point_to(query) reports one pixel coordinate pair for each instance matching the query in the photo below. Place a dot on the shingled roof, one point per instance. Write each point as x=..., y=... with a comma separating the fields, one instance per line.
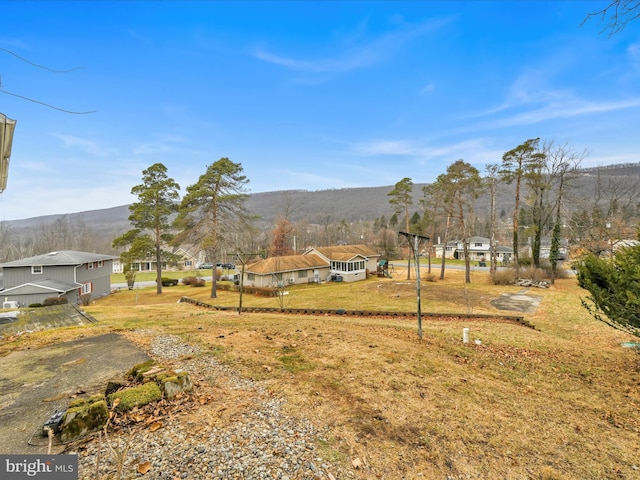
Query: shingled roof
x=344, y=252
x=63, y=257
x=287, y=263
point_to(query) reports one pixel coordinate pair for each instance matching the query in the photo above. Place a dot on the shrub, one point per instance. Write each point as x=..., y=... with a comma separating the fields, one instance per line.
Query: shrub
x=55, y=301
x=188, y=280
x=525, y=261
x=431, y=278
x=503, y=276
x=560, y=271
x=261, y=291
x=85, y=299
x=197, y=282
x=535, y=274
x=35, y=305
x=168, y=282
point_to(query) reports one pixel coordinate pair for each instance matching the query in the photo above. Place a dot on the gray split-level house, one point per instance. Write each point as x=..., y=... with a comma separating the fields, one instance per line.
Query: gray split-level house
x=69, y=274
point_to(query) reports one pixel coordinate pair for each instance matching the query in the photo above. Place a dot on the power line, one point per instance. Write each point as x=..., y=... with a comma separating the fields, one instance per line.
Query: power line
x=44, y=68
x=37, y=65
x=45, y=104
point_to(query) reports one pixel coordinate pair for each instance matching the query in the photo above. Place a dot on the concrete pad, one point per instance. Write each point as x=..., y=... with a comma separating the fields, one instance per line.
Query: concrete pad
x=517, y=302
x=34, y=383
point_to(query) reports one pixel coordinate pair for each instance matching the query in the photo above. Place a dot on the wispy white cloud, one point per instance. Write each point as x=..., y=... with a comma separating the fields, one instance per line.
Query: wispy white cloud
x=533, y=98
x=428, y=88
x=85, y=145
x=357, y=54
x=633, y=52
x=312, y=181
x=164, y=144
x=568, y=109
x=425, y=152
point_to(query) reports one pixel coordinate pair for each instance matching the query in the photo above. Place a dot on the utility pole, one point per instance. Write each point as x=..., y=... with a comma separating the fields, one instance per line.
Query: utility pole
x=414, y=243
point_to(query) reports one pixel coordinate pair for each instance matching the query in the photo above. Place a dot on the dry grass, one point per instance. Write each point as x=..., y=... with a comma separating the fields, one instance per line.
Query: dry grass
x=560, y=402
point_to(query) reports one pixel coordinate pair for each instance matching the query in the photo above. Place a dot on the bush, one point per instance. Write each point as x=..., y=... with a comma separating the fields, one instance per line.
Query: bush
x=503, y=276
x=188, y=280
x=169, y=282
x=525, y=261
x=533, y=273
x=261, y=291
x=35, y=305
x=197, y=282
x=85, y=299
x=55, y=301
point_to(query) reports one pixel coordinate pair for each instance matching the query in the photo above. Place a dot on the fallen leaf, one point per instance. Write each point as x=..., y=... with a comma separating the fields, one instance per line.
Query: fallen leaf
x=144, y=468
x=155, y=426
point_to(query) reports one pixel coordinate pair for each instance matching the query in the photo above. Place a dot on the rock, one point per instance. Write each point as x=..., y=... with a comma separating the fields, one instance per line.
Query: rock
x=83, y=417
x=136, y=396
x=174, y=383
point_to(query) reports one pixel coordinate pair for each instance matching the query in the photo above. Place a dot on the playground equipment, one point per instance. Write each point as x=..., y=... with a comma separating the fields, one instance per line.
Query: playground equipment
x=383, y=269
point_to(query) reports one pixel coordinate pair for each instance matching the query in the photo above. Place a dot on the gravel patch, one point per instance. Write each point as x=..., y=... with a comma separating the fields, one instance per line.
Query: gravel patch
x=261, y=443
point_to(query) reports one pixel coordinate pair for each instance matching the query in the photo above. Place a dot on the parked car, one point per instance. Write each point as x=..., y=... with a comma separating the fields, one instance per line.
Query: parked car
x=205, y=266
x=226, y=266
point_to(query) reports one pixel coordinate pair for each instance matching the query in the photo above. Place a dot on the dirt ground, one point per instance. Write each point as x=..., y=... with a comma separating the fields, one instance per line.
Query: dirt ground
x=34, y=383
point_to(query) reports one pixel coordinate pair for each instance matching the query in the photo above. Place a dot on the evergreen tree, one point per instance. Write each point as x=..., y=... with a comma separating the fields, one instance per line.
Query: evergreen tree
x=516, y=166
x=150, y=215
x=213, y=209
x=614, y=288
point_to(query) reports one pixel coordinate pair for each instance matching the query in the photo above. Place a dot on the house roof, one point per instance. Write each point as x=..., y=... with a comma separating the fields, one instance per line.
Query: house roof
x=42, y=286
x=344, y=252
x=63, y=257
x=286, y=263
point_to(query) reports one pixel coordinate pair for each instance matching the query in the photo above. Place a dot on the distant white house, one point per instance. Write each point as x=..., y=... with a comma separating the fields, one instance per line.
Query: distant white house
x=190, y=257
x=478, y=247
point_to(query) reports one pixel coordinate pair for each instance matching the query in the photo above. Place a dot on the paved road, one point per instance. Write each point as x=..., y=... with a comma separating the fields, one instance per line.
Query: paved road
x=150, y=283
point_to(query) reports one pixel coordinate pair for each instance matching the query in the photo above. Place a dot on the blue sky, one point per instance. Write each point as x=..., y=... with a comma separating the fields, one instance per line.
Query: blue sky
x=305, y=95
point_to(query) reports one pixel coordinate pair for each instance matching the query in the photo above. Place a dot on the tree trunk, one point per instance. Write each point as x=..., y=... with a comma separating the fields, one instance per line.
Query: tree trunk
x=444, y=246
x=158, y=270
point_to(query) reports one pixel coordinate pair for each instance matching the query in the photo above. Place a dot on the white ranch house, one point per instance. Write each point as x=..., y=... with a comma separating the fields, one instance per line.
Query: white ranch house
x=346, y=263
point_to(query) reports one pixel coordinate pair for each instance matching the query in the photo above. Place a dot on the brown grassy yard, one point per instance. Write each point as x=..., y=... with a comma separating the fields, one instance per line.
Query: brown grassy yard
x=558, y=402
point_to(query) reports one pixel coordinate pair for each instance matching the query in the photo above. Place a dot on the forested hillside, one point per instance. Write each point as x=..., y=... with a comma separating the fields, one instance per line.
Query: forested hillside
x=601, y=203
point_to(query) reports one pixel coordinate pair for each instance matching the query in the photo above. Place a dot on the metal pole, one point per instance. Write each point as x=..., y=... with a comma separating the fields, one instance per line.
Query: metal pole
x=416, y=256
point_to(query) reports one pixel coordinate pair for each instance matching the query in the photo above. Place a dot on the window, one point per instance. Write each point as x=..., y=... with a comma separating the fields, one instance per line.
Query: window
x=188, y=263
x=251, y=277
x=36, y=269
x=90, y=266
x=100, y=264
x=478, y=244
x=302, y=274
x=86, y=288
